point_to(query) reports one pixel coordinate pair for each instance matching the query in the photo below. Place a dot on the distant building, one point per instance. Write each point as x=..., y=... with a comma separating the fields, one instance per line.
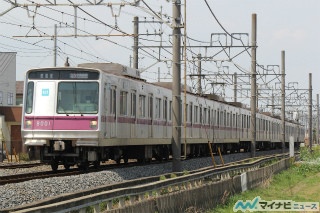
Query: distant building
x=7, y=79
x=19, y=93
x=11, y=93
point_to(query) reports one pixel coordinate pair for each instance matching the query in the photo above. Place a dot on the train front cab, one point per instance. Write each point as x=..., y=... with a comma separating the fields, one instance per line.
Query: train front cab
x=60, y=115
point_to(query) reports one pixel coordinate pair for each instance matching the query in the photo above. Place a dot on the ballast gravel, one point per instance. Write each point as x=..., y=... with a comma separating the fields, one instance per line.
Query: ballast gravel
x=16, y=194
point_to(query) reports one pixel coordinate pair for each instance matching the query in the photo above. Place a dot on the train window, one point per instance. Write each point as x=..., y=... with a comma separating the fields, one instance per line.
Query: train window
x=227, y=119
x=150, y=106
x=205, y=114
x=142, y=106
x=133, y=103
x=190, y=112
x=78, y=97
x=165, y=108
x=215, y=117
x=123, y=103
x=113, y=98
x=158, y=108
x=201, y=117
x=196, y=114
x=186, y=108
x=29, y=98
x=170, y=110
x=237, y=121
x=234, y=120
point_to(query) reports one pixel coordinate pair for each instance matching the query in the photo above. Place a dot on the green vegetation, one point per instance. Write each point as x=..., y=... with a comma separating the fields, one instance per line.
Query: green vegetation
x=24, y=156
x=299, y=183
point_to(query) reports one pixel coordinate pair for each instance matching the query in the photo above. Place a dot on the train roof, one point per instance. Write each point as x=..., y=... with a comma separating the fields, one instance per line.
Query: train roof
x=114, y=68
x=168, y=85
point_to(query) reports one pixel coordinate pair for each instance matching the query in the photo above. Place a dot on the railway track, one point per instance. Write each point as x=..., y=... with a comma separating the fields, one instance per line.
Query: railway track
x=61, y=173
x=18, y=166
x=140, y=186
x=17, y=178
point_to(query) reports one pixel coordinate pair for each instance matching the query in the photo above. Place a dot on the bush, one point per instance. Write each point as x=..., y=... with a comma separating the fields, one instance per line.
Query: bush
x=24, y=157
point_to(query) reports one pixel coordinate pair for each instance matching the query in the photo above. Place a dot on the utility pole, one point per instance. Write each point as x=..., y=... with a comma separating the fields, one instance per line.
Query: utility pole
x=317, y=131
x=272, y=104
x=199, y=75
x=176, y=86
x=283, y=96
x=135, y=42
x=235, y=87
x=253, y=84
x=310, y=111
x=55, y=46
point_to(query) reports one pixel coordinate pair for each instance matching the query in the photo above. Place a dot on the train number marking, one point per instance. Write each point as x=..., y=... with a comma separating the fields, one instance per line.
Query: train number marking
x=43, y=123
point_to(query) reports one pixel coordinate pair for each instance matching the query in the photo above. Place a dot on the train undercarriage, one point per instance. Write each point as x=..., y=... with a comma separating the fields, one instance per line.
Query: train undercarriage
x=84, y=156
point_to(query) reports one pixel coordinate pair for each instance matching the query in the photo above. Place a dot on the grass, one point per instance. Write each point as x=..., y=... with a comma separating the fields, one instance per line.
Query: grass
x=299, y=183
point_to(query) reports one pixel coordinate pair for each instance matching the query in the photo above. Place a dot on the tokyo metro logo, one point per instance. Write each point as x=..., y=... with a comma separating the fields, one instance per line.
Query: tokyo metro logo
x=257, y=204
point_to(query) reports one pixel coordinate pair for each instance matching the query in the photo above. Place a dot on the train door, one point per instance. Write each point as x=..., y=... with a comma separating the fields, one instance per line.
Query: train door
x=45, y=105
x=150, y=115
x=165, y=116
x=133, y=113
x=191, y=120
x=237, y=125
x=218, y=123
x=200, y=121
x=104, y=114
x=113, y=112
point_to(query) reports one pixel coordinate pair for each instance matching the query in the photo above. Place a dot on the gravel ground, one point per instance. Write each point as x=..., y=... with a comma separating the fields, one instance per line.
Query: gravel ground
x=30, y=191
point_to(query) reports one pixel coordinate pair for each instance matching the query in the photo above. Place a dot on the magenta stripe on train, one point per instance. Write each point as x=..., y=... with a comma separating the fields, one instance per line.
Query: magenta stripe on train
x=61, y=122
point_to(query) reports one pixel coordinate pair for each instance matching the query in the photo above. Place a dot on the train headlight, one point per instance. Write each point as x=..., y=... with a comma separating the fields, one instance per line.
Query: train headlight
x=28, y=124
x=93, y=124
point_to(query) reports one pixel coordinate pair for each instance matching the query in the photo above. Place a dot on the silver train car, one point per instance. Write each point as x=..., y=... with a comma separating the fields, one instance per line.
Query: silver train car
x=100, y=111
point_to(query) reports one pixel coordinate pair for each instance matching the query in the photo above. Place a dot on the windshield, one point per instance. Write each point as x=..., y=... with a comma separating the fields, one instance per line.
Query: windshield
x=29, y=98
x=78, y=98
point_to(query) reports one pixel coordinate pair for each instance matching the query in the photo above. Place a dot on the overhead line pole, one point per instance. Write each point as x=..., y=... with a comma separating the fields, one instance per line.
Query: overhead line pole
x=176, y=86
x=253, y=85
x=283, y=96
x=317, y=130
x=310, y=111
x=185, y=79
x=55, y=46
x=135, y=42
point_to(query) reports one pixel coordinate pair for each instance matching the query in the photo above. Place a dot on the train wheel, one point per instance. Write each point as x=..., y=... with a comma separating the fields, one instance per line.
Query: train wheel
x=118, y=160
x=83, y=166
x=96, y=164
x=54, y=166
x=125, y=159
x=157, y=153
x=140, y=160
x=166, y=153
x=66, y=166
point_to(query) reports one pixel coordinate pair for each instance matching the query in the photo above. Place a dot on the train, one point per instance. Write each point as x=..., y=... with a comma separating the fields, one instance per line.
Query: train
x=96, y=112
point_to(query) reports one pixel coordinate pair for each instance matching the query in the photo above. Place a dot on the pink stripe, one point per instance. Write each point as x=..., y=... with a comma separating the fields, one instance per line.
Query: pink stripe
x=61, y=122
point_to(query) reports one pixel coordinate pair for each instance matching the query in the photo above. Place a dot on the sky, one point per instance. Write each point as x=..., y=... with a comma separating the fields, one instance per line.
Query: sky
x=282, y=25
